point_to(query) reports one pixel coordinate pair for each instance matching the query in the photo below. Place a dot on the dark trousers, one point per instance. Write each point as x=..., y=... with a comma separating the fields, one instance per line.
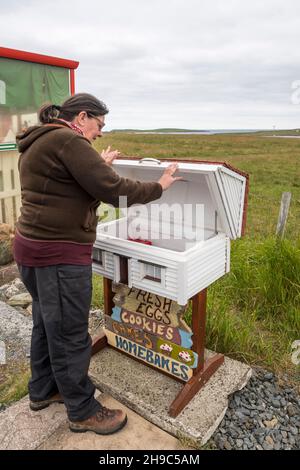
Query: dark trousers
x=60, y=343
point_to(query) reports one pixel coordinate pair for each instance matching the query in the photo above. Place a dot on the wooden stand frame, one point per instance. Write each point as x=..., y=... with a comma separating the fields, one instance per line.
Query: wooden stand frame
x=205, y=368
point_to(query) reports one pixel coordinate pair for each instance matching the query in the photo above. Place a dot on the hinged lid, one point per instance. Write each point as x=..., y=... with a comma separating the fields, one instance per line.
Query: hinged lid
x=221, y=189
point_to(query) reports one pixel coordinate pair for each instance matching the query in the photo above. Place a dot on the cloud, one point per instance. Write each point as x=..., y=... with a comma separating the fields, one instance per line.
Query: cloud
x=175, y=63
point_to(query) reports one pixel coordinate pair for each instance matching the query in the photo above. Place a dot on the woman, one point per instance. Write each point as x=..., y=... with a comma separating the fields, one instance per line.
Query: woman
x=63, y=180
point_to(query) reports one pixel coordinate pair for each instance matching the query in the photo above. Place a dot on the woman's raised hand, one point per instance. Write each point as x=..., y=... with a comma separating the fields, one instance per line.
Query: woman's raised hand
x=110, y=155
x=167, y=178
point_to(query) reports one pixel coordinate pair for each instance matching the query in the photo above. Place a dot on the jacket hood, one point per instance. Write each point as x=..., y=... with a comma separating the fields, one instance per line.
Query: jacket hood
x=29, y=136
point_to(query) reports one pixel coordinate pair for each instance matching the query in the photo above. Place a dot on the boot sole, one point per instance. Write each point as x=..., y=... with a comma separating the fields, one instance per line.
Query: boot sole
x=102, y=433
x=41, y=407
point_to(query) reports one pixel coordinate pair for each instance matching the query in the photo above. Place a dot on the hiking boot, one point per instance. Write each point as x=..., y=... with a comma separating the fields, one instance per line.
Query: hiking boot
x=105, y=421
x=40, y=405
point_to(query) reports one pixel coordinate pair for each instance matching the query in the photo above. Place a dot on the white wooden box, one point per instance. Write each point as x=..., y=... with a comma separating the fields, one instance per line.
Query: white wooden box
x=191, y=249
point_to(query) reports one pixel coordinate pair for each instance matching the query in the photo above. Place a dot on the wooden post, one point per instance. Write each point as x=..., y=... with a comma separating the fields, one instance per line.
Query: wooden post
x=205, y=369
x=283, y=214
x=108, y=296
x=198, y=326
x=100, y=342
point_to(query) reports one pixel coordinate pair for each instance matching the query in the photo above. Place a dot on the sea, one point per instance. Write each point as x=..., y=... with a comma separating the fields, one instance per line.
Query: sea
x=204, y=132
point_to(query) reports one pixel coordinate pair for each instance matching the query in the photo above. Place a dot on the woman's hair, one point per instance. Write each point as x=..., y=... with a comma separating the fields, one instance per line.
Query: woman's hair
x=71, y=107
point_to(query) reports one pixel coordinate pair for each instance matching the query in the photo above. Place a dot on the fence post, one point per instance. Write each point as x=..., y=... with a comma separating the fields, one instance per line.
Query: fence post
x=283, y=214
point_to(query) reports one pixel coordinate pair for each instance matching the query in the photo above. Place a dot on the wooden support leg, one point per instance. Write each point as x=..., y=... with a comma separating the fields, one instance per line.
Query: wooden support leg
x=108, y=296
x=198, y=326
x=100, y=341
x=205, y=369
x=195, y=384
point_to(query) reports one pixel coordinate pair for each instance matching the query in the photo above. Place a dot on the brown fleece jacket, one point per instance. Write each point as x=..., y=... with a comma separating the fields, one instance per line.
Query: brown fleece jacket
x=63, y=181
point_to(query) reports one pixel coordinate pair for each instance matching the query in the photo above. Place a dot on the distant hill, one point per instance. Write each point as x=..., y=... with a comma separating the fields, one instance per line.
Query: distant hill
x=175, y=130
x=167, y=129
x=283, y=132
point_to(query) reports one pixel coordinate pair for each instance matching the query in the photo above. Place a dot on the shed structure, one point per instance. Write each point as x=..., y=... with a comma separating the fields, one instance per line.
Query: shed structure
x=27, y=81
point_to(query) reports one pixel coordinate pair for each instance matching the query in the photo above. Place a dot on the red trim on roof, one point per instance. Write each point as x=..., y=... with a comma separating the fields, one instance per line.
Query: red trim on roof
x=227, y=165
x=37, y=58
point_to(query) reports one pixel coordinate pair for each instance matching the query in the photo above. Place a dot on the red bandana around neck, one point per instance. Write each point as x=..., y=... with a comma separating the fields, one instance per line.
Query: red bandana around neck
x=73, y=126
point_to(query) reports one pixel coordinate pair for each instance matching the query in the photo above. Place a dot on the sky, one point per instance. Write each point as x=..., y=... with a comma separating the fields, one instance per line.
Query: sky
x=196, y=64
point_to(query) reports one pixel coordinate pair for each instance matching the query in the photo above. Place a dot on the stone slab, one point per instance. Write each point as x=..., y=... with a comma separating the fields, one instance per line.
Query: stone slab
x=23, y=429
x=138, y=434
x=150, y=393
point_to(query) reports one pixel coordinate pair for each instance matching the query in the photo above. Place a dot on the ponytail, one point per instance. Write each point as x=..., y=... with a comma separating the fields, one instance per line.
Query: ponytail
x=48, y=112
x=72, y=107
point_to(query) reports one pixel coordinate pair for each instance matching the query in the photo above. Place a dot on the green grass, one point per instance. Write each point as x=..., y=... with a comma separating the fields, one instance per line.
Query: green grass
x=273, y=166
x=254, y=311
x=13, y=382
x=164, y=129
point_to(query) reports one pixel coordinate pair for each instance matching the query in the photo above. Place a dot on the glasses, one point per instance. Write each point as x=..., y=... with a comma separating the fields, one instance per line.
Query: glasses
x=100, y=123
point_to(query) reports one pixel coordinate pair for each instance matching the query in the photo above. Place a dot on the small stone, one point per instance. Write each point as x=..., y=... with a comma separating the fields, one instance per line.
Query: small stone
x=19, y=285
x=241, y=417
x=22, y=300
x=269, y=440
x=219, y=442
x=294, y=431
x=276, y=403
x=27, y=312
x=277, y=437
x=249, y=424
x=239, y=443
x=234, y=433
x=271, y=424
x=11, y=291
x=261, y=407
x=292, y=440
x=244, y=411
x=268, y=376
x=260, y=432
x=237, y=400
x=291, y=410
x=267, y=446
x=277, y=446
x=227, y=445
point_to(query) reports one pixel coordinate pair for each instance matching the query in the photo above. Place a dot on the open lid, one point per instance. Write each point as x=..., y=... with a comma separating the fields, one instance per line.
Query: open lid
x=220, y=188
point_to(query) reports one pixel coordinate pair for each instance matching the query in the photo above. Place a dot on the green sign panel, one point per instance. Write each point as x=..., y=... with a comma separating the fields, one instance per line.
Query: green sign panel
x=24, y=88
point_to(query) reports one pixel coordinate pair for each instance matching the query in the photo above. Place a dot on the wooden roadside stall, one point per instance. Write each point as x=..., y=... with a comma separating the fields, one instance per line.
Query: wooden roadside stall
x=27, y=81
x=157, y=258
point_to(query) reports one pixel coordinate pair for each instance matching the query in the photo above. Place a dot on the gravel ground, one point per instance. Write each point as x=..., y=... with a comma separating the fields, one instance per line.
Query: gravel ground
x=262, y=416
